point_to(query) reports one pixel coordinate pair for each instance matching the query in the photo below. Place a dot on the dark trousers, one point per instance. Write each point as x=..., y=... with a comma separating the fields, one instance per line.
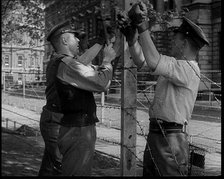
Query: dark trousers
x=158, y=158
x=51, y=161
x=77, y=145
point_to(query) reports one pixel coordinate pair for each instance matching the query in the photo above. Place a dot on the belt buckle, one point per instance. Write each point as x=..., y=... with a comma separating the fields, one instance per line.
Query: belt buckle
x=184, y=129
x=160, y=121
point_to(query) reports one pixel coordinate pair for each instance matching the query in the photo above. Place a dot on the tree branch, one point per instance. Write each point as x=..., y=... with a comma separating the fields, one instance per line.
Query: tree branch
x=6, y=7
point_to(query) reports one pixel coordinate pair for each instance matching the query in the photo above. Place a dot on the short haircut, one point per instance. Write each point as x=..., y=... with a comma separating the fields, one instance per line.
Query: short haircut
x=193, y=45
x=55, y=42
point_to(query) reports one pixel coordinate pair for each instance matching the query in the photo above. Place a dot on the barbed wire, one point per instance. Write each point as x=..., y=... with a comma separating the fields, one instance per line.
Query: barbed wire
x=212, y=82
x=129, y=68
x=111, y=107
x=26, y=95
x=201, y=79
x=111, y=141
x=20, y=114
x=36, y=129
x=163, y=132
x=174, y=157
x=204, y=116
x=120, y=144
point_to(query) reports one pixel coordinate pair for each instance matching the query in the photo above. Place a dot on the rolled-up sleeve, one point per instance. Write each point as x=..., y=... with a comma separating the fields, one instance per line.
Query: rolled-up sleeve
x=85, y=77
x=176, y=71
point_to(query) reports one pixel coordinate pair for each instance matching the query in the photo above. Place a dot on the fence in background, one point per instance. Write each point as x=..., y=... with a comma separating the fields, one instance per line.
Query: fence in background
x=31, y=96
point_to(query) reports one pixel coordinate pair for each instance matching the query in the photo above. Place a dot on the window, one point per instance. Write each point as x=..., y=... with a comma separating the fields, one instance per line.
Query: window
x=31, y=62
x=90, y=28
x=20, y=79
x=20, y=76
x=6, y=60
x=20, y=61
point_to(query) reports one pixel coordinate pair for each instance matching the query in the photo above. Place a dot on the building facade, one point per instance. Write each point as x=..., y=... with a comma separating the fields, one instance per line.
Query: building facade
x=17, y=60
x=87, y=11
x=205, y=13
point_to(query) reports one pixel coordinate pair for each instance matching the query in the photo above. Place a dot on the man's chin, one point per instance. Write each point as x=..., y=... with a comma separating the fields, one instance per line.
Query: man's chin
x=76, y=53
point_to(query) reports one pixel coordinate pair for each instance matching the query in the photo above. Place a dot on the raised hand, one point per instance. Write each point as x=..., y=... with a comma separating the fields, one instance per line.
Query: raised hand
x=139, y=17
x=138, y=13
x=126, y=28
x=109, y=53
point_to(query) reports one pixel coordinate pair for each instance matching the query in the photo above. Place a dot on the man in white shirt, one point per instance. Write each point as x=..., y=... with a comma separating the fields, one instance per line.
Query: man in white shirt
x=166, y=152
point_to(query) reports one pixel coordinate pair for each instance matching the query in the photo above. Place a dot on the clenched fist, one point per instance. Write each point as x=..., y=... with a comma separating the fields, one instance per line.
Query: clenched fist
x=126, y=28
x=138, y=13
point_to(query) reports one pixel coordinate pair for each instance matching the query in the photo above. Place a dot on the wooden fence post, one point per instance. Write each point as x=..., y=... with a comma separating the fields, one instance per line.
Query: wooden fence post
x=24, y=89
x=3, y=81
x=128, y=109
x=102, y=106
x=7, y=121
x=14, y=125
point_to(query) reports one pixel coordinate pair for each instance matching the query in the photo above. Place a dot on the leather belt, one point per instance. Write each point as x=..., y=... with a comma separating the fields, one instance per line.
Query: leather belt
x=167, y=127
x=78, y=120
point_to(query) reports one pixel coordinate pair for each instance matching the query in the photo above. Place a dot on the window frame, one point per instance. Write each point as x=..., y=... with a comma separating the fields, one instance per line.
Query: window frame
x=6, y=55
x=22, y=59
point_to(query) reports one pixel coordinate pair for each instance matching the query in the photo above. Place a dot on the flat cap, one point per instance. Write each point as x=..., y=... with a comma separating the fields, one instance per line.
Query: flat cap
x=68, y=26
x=193, y=31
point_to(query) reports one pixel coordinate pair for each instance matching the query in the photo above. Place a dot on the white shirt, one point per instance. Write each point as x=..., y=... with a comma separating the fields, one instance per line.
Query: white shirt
x=176, y=89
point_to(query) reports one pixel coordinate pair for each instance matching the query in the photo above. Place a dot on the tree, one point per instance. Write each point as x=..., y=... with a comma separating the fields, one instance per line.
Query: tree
x=22, y=18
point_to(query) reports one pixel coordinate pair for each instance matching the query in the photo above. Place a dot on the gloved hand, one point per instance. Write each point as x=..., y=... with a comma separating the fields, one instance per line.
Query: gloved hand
x=126, y=28
x=111, y=34
x=138, y=13
x=139, y=16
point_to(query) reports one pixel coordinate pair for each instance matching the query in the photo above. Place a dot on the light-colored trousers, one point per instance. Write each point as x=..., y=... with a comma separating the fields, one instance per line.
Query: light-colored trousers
x=167, y=156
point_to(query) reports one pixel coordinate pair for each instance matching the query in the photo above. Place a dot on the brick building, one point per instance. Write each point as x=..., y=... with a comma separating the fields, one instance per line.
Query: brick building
x=205, y=13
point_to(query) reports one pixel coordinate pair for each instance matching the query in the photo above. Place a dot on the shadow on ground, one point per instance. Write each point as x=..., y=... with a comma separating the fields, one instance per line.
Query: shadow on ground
x=21, y=156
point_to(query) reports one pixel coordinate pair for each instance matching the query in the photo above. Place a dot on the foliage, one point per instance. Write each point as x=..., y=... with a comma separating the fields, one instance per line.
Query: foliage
x=154, y=17
x=21, y=19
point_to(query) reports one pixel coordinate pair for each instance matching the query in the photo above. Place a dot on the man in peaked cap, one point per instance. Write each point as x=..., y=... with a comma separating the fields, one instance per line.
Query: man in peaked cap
x=69, y=26
x=167, y=150
x=69, y=115
x=51, y=116
x=192, y=31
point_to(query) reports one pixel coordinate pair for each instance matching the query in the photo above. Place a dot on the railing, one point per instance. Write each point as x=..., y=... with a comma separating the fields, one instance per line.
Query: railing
x=109, y=115
x=108, y=110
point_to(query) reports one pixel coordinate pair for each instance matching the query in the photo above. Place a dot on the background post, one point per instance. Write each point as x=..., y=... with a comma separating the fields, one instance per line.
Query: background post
x=128, y=108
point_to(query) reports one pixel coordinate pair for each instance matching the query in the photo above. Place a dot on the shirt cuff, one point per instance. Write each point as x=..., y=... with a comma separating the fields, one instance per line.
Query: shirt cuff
x=107, y=64
x=161, y=67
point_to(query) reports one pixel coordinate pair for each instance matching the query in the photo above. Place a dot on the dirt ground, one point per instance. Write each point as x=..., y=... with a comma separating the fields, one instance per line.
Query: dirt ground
x=21, y=156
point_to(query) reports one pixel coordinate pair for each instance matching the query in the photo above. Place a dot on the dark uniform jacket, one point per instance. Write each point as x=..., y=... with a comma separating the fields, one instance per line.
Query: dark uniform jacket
x=77, y=105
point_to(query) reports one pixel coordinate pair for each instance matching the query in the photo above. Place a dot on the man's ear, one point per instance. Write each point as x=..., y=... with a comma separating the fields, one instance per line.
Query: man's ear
x=185, y=43
x=64, y=39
